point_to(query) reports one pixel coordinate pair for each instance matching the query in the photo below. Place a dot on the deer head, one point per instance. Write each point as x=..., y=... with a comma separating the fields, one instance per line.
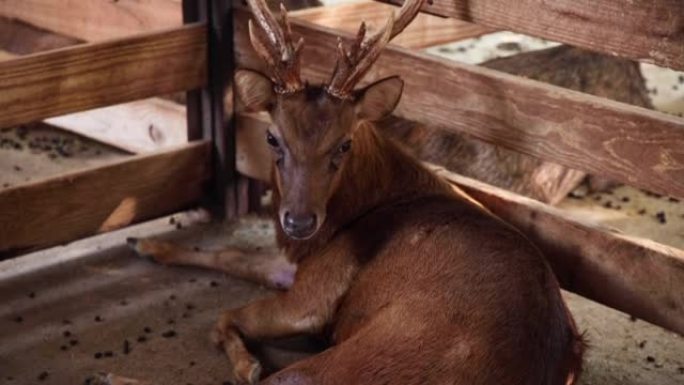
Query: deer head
x=314, y=126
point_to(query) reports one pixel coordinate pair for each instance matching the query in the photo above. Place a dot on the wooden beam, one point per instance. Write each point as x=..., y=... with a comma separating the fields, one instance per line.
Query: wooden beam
x=596, y=262
x=649, y=31
x=634, y=275
x=424, y=31
x=95, y=20
x=634, y=145
x=104, y=198
x=88, y=76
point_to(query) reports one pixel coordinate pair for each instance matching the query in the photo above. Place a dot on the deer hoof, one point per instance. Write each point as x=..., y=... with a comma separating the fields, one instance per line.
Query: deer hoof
x=247, y=371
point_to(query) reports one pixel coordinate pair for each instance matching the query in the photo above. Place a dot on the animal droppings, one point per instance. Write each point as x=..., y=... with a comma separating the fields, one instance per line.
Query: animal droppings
x=169, y=334
x=97, y=355
x=126, y=347
x=108, y=353
x=213, y=284
x=608, y=205
x=642, y=212
x=73, y=342
x=18, y=319
x=625, y=199
x=147, y=329
x=142, y=339
x=642, y=344
x=660, y=216
x=63, y=348
x=650, y=359
x=32, y=294
x=98, y=318
x=66, y=333
x=43, y=376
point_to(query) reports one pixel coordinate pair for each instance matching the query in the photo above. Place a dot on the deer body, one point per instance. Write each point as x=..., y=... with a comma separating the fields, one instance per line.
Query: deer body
x=433, y=290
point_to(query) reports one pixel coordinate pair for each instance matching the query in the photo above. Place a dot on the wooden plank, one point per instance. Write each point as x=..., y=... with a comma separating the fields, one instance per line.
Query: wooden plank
x=100, y=199
x=596, y=262
x=138, y=127
x=637, y=276
x=649, y=31
x=640, y=147
x=95, y=20
x=78, y=78
x=424, y=31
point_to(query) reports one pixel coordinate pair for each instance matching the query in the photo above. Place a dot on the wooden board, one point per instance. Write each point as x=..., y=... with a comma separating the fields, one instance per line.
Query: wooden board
x=637, y=276
x=424, y=31
x=96, y=20
x=88, y=76
x=649, y=31
x=137, y=127
x=103, y=198
x=634, y=145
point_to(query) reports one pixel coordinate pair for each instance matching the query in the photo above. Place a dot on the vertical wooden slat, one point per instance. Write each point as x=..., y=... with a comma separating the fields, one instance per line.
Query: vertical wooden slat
x=207, y=118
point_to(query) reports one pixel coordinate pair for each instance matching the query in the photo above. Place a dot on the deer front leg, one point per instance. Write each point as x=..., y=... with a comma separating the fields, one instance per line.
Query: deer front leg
x=305, y=308
x=269, y=269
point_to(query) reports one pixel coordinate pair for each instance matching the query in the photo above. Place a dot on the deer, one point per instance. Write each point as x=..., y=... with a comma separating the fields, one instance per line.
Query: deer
x=411, y=281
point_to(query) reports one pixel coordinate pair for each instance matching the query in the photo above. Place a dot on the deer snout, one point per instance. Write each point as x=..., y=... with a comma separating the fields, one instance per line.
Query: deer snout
x=299, y=226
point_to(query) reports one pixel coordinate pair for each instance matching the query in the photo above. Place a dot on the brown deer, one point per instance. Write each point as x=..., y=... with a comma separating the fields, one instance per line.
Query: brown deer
x=412, y=282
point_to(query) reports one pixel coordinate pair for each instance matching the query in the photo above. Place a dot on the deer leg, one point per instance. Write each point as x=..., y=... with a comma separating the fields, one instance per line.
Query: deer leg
x=306, y=308
x=269, y=269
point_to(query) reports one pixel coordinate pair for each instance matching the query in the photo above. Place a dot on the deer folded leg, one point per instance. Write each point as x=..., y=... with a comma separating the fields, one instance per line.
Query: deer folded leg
x=306, y=308
x=269, y=269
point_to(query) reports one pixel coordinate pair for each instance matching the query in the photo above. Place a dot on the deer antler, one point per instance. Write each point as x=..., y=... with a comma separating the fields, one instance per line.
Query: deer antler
x=274, y=44
x=353, y=62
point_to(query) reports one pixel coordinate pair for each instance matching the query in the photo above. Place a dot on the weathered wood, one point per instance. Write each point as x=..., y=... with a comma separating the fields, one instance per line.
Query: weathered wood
x=138, y=127
x=637, y=276
x=649, y=31
x=630, y=144
x=424, y=31
x=88, y=76
x=95, y=20
x=22, y=39
x=100, y=199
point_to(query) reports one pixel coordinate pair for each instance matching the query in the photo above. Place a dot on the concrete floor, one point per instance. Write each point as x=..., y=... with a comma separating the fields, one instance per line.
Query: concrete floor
x=65, y=307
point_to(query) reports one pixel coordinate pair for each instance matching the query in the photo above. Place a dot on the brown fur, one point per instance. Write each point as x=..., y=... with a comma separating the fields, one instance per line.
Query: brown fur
x=412, y=283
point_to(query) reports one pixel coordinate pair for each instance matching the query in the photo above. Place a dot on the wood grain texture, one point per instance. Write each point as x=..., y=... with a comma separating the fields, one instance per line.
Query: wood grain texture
x=88, y=76
x=649, y=31
x=96, y=20
x=424, y=31
x=637, y=276
x=634, y=145
x=104, y=198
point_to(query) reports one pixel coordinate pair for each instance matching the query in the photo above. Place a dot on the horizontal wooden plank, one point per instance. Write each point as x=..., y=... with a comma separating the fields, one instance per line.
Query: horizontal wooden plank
x=610, y=268
x=634, y=145
x=649, y=31
x=636, y=276
x=96, y=20
x=104, y=198
x=93, y=75
x=424, y=31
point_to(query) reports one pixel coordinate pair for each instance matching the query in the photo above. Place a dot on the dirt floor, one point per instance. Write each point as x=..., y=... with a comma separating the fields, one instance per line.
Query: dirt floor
x=94, y=306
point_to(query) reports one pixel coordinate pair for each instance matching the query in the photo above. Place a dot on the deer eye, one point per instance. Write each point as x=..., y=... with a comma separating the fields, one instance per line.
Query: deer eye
x=272, y=141
x=344, y=147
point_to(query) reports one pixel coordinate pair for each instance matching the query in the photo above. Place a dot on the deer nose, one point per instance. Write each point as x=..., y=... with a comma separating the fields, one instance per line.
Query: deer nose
x=299, y=225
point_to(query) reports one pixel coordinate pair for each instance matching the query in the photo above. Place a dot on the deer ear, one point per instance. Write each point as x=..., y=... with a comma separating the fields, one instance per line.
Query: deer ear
x=379, y=99
x=254, y=89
